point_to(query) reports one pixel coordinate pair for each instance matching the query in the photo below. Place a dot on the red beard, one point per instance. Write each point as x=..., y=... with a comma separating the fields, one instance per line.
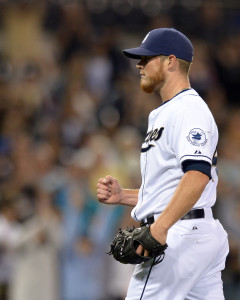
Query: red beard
x=148, y=85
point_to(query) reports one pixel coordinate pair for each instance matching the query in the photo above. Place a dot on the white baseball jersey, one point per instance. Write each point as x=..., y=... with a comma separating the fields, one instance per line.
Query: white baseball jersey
x=181, y=129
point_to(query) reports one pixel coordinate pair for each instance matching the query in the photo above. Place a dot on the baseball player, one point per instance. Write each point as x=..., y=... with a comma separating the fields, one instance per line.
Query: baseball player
x=179, y=179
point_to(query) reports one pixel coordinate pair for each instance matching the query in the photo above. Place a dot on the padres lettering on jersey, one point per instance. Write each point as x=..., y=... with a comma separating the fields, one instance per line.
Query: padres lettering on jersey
x=180, y=129
x=153, y=135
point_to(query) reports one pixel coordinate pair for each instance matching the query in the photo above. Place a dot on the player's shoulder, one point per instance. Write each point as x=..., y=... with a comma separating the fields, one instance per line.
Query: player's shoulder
x=189, y=106
x=188, y=97
x=189, y=101
x=184, y=104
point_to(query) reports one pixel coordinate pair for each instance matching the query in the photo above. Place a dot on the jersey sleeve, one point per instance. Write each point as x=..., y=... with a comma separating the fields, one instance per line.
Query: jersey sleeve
x=194, y=135
x=197, y=165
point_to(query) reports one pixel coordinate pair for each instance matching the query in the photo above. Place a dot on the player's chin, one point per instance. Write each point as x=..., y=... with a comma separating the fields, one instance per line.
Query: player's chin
x=147, y=86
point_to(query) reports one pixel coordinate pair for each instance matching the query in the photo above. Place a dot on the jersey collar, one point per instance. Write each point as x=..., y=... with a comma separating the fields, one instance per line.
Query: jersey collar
x=182, y=91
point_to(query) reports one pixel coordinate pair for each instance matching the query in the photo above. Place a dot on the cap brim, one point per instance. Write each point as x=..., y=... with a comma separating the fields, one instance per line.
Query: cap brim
x=137, y=53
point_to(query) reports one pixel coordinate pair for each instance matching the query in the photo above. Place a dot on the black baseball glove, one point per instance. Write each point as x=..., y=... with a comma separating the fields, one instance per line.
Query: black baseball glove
x=125, y=243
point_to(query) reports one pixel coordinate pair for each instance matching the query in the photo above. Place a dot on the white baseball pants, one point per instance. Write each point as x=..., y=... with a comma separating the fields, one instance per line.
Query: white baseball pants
x=192, y=266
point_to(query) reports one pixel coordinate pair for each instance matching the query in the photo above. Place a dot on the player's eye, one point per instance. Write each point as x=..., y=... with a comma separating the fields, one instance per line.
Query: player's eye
x=146, y=59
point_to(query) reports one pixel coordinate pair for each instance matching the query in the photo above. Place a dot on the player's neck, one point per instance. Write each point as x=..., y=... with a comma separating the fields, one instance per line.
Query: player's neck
x=173, y=87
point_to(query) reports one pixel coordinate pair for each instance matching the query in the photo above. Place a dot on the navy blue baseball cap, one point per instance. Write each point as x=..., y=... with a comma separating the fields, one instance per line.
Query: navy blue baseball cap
x=163, y=41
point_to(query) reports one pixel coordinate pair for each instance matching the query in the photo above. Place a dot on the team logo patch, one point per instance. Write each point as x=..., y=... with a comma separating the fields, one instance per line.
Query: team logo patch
x=197, y=137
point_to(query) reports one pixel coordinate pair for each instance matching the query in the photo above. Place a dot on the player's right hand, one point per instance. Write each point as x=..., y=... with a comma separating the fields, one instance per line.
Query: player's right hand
x=109, y=190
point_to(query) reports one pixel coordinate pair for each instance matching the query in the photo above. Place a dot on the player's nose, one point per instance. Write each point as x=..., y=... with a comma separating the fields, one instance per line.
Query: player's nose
x=139, y=66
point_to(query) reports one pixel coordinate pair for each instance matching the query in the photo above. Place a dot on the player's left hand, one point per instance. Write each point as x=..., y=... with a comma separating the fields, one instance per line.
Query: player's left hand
x=141, y=251
x=123, y=247
x=158, y=234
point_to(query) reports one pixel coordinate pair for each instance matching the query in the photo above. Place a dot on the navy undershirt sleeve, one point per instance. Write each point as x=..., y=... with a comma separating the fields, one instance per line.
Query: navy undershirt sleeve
x=197, y=165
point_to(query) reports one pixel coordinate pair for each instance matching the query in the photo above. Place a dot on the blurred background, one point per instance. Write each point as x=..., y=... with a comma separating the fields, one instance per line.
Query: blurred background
x=71, y=111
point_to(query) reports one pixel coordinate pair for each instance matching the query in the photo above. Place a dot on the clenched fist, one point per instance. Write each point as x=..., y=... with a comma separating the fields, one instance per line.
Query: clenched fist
x=109, y=190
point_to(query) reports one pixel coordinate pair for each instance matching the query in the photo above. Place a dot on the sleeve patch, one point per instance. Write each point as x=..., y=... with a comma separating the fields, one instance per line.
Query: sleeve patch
x=197, y=137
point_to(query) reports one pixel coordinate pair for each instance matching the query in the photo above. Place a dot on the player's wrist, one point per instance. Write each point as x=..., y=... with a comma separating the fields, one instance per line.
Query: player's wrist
x=121, y=197
x=129, y=197
x=159, y=232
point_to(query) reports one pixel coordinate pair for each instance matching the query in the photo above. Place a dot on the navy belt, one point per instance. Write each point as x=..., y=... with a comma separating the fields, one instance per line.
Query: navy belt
x=192, y=214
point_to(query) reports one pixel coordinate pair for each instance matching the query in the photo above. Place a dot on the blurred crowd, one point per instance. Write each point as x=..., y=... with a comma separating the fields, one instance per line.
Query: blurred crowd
x=71, y=111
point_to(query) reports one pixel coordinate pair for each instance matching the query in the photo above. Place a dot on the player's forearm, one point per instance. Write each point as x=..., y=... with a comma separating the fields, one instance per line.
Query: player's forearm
x=185, y=197
x=130, y=197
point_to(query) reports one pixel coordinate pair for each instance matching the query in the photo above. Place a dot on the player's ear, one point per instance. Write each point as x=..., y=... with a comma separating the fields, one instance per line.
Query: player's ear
x=172, y=61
